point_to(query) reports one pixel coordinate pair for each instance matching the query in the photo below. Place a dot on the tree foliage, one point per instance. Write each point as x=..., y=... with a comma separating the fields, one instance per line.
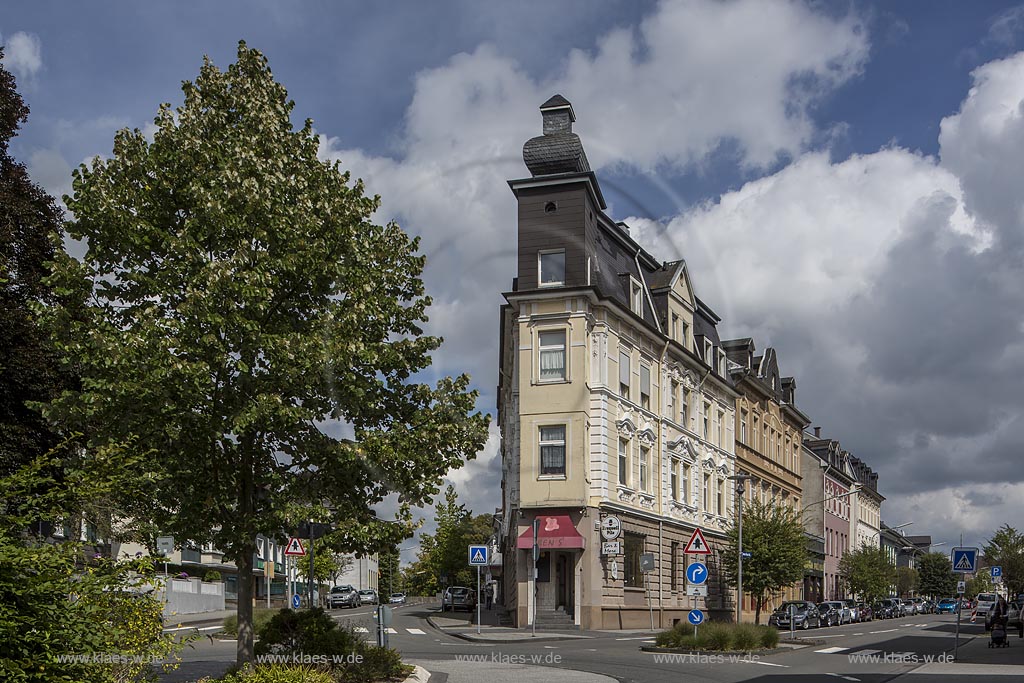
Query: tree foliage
x=936, y=575
x=61, y=599
x=29, y=372
x=867, y=572
x=235, y=297
x=907, y=581
x=774, y=537
x=979, y=583
x=328, y=562
x=1006, y=549
x=443, y=556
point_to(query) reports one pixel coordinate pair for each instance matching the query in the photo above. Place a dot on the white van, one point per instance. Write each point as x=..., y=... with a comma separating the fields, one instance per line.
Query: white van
x=985, y=603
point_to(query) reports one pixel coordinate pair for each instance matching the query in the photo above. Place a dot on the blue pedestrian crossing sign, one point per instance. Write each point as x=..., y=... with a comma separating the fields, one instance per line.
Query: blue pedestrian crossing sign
x=696, y=573
x=696, y=617
x=965, y=560
x=477, y=556
x=296, y=601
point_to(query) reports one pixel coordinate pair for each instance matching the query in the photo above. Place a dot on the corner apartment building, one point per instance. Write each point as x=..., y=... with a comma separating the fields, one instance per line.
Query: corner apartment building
x=614, y=400
x=769, y=434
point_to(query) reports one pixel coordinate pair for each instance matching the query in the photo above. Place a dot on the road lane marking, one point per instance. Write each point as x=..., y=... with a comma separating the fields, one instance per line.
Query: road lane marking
x=858, y=634
x=845, y=678
x=753, y=661
x=832, y=650
x=392, y=631
x=416, y=631
x=636, y=638
x=550, y=647
x=886, y=631
x=361, y=629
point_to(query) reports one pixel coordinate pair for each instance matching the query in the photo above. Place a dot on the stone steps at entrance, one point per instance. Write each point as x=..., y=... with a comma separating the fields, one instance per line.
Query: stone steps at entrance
x=556, y=620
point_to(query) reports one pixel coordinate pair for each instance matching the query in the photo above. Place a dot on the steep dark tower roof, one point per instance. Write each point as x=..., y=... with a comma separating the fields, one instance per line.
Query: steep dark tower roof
x=558, y=150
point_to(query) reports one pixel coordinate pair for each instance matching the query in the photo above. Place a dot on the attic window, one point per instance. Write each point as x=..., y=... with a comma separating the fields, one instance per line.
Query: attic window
x=552, y=267
x=636, y=301
x=550, y=207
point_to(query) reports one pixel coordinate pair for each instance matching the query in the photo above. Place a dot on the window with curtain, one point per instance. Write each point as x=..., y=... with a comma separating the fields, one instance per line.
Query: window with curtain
x=624, y=462
x=552, y=355
x=552, y=450
x=645, y=386
x=624, y=374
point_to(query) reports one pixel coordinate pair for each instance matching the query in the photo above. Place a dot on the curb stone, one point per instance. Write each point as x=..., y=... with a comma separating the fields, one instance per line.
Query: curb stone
x=472, y=638
x=418, y=675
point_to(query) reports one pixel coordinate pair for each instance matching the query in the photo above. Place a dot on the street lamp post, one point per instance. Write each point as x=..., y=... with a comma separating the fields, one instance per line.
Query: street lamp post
x=740, y=479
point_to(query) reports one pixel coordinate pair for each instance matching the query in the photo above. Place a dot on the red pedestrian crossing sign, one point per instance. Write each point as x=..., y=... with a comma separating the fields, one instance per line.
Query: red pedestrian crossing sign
x=697, y=544
x=294, y=548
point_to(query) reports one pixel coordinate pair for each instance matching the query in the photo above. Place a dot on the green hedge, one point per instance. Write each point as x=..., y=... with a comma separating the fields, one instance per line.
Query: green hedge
x=260, y=617
x=719, y=636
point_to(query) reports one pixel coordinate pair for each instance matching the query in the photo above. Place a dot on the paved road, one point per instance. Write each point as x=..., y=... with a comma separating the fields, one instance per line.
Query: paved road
x=868, y=653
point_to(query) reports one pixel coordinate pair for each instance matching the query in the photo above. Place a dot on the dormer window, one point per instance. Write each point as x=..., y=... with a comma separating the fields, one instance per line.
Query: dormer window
x=636, y=299
x=551, y=265
x=708, y=349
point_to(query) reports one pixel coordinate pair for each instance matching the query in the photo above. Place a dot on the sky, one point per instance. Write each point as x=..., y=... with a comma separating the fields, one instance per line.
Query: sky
x=841, y=177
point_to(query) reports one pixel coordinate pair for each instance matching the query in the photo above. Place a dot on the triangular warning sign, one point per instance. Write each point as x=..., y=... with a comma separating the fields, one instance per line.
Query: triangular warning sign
x=697, y=544
x=478, y=555
x=294, y=548
x=964, y=563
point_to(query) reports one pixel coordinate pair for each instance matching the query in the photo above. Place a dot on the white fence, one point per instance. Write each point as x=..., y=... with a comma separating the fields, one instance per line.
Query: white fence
x=192, y=596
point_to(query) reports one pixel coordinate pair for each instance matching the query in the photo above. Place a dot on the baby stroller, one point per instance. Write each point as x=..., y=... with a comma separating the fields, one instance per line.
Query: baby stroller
x=999, y=633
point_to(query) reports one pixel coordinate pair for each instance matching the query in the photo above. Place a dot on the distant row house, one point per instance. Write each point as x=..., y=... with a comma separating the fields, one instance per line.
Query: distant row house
x=618, y=399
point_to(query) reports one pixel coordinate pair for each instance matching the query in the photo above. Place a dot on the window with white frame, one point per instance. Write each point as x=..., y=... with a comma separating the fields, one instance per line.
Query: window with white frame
x=685, y=492
x=743, y=426
x=673, y=484
x=552, y=355
x=707, y=493
x=551, y=264
x=685, y=336
x=645, y=458
x=624, y=374
x=552, y=450
x=721, y=429
x=706, y=419
x=636, y=299
x=675, y=326
x=709, y=353
x=721, y=497
x=624, y=462
x=721, y=363
x=676, y=402
x=645, y=386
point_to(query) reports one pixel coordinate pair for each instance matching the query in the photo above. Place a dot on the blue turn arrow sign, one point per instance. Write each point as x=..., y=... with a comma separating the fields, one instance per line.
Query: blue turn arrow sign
x=695, y=617
x=696, y=573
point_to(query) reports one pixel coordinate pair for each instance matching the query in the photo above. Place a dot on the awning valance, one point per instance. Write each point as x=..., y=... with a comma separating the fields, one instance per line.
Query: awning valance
x=556, y=531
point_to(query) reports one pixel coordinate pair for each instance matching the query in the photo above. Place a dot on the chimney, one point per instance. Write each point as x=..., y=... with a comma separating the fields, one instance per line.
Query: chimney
x=817, y=432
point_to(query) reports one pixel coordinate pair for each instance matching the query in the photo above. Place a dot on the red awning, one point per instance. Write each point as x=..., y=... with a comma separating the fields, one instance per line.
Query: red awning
x=556, y=531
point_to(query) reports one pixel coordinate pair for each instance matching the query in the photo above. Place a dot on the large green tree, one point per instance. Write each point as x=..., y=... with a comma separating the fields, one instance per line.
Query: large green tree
x=443, y=559
x=907, y=581
x=867, y=572
x=29, y=372
x=235, y=301
x=1006, y=549
x=936, y=575
x=774, y=537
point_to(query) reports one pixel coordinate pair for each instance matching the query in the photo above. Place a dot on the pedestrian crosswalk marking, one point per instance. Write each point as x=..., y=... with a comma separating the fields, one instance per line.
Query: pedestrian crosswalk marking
x=832, y=650
x=415, y=631
x=392, y=631
x=361, y=629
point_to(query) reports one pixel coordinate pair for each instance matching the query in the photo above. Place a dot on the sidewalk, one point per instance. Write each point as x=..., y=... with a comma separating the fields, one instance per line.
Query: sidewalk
x=463, y=625
x=976, y=658
x=206, y=622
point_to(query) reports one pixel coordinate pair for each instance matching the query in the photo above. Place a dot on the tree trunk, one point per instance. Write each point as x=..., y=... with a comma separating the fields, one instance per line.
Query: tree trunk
x=757, y=608
x=245, y=621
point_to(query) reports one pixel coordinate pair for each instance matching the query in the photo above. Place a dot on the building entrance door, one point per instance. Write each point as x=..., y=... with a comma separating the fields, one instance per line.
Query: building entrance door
x=565, y=597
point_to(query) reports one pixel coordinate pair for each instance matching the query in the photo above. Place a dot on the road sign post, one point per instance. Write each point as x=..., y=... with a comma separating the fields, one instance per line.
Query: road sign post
x=477, y=558
x=965, y=561
x=695, y=617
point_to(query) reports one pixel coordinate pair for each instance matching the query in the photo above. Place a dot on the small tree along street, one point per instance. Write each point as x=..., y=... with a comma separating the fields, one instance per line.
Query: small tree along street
x=1006, y=549
x=235, y=297
x=774, y=537
x=867, y=572
x=907, y=581
x=936, y=575
x=328, y=563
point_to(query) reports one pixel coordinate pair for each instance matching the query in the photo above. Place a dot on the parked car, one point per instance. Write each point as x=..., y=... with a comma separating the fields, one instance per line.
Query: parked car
x=343, y=596
x=368, y=596
x=865, y=612
x=458, y=597
x=851, y=612
x=913, y=606
x=831, y=612
x=946, y=606
x=888, y=608
x=397, y=599
x=928, y=606
x=805, y=615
